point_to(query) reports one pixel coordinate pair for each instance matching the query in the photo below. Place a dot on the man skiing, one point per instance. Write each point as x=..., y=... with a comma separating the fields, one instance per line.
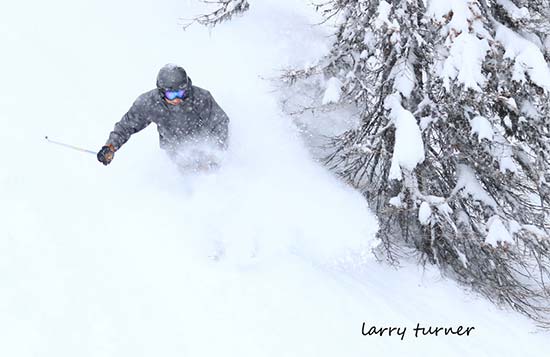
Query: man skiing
x=183, y=113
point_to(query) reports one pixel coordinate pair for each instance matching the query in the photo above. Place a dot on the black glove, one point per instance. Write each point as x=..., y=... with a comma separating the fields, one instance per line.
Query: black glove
x=106, y=154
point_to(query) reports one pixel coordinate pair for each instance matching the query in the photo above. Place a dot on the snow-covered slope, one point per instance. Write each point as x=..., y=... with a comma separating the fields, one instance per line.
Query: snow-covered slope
x=117, y=261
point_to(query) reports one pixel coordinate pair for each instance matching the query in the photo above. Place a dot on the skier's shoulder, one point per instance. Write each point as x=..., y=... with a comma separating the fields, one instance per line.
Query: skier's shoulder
x=201, y=92
x=147, y=100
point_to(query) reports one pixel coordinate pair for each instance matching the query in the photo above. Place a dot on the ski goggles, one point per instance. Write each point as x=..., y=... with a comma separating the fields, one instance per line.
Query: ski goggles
x=173, y=94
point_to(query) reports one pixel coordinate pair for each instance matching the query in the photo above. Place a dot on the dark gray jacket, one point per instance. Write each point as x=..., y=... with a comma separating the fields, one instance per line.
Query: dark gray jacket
x=198, y=116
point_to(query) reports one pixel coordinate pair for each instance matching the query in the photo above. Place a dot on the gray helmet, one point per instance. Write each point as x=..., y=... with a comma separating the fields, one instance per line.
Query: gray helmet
x=172, y=77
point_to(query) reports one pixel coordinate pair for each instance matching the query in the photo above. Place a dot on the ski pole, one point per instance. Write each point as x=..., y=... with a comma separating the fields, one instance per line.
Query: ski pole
x=70, y=146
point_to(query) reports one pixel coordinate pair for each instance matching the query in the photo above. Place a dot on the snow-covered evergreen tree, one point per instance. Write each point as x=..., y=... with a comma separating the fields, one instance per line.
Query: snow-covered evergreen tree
x=453, y=149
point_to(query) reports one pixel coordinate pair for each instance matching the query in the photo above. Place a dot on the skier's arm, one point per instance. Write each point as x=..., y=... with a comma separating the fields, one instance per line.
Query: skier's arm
x=220, y=123
x=133, y=121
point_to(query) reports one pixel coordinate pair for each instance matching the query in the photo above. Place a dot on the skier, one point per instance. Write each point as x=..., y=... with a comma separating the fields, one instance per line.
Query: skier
x=183, y=113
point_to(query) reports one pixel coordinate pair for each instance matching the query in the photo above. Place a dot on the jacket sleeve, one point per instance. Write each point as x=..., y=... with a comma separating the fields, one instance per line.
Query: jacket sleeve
x=219, y=123
x=134, y=120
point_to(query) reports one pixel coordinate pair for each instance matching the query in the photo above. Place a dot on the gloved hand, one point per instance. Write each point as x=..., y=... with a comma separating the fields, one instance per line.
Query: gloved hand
x=106, y=154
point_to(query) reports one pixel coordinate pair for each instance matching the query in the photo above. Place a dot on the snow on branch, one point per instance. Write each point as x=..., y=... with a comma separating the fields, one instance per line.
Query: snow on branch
x=226, y=10
x=527, y=57
x=409, y=147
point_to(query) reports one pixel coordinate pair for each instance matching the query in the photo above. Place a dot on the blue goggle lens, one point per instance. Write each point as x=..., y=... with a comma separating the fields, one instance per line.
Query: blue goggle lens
x=171, y=95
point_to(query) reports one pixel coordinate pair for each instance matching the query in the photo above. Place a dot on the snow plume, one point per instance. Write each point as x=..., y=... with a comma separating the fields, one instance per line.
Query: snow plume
x=244, y=233
x=408, y=150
